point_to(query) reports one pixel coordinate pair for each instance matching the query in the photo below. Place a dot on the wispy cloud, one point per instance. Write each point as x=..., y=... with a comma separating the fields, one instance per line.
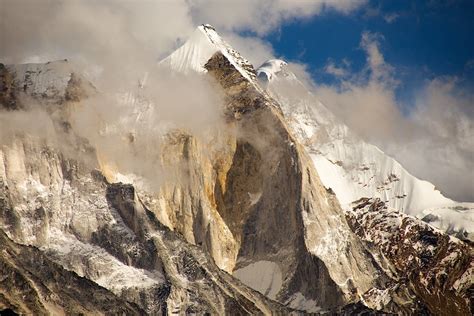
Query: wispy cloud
x=435, y=141
x=337, y=71
x=391, y=17
x=262, y=16
x=377, y=12
x=470, y=64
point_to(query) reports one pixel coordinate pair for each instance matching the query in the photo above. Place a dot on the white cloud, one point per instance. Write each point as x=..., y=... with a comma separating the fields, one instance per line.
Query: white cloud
x=262, y=16
x=391, y=17
x=337, y=71
x=124, y=38
x=435, y=141
x=115, y=34
x=379, y=70
x=256, y=50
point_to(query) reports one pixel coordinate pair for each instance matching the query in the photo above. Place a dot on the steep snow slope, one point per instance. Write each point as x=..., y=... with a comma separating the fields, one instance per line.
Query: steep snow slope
x=353, y=168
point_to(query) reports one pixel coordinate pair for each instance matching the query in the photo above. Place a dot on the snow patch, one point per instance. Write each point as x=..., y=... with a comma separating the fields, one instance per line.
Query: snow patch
x=263, y=276
x=300, y=302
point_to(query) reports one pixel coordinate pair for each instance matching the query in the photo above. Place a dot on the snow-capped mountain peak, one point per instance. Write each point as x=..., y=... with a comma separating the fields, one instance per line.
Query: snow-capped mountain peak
x=200, y=47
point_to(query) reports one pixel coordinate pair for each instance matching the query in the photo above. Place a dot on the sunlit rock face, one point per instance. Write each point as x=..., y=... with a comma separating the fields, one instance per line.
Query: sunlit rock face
x=237, y=222
x=277, y=207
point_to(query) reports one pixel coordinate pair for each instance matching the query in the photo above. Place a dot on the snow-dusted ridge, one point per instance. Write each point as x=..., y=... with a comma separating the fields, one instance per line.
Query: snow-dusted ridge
x=353, y=168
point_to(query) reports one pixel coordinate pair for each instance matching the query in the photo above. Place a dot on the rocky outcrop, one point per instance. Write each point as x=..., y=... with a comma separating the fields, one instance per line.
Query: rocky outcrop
x=7, y=90
x=197, y=285
x=436, y=268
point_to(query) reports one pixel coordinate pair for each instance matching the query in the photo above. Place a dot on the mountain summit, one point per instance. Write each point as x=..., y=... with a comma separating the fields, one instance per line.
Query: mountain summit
x=200, y=47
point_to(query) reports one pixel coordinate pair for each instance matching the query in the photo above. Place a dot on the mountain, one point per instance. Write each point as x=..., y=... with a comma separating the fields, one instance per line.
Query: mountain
x=239, y=223
x=353, y=168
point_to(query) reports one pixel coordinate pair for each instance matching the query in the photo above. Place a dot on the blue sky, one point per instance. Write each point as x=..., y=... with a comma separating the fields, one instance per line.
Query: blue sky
x=420, y=39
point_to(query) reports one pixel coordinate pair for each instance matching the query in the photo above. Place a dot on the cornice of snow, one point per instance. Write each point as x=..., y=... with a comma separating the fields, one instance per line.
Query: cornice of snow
x=273, y=69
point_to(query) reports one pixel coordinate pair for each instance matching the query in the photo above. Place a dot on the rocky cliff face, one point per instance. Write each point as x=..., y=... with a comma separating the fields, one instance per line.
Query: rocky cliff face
x=276, y=207
x=242, y=226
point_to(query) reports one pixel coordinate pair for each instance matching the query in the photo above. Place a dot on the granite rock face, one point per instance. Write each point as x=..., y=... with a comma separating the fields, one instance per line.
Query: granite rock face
x=276, y=207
